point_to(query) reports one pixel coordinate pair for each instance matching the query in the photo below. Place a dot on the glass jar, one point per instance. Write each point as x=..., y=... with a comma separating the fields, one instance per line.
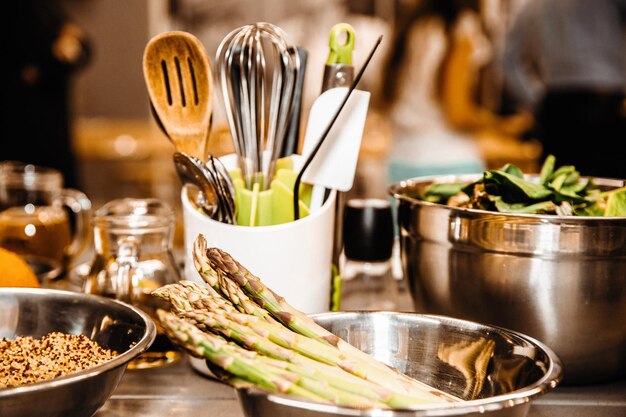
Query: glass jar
x=34, y=221
x=366, y=266
x=133, y=257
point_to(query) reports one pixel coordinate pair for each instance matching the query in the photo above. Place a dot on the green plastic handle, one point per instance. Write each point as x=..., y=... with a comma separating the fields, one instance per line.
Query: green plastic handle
x=341, y=53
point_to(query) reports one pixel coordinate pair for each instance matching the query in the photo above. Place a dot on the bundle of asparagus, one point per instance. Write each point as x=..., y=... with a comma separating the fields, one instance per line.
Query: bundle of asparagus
x=250, y=336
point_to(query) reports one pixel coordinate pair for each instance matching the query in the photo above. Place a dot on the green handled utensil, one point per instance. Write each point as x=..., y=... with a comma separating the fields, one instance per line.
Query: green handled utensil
x=338, y=71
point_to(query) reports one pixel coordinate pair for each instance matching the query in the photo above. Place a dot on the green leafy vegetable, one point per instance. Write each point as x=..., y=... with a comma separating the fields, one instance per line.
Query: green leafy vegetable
x=537, y=208
x=514, y=186
x=439, y=192
x=512, y=170
x=547, y=169
x=616, y=203
x=558, y=190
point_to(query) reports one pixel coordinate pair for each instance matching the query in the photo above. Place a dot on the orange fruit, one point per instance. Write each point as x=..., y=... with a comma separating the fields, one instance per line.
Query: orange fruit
x=15, y=272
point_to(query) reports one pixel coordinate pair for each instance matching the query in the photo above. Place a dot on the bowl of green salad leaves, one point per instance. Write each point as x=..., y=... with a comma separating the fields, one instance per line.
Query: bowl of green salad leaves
x=543, y=254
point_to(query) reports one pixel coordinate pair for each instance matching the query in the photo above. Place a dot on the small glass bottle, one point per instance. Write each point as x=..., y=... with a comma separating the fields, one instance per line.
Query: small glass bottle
x=367, y=279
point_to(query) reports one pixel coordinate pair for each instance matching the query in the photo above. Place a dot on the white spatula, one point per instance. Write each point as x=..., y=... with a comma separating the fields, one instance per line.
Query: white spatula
x=334, y=164
x=336, y=113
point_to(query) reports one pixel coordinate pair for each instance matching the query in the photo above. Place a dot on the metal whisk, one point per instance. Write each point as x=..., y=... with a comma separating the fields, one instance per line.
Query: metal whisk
x=257, y=72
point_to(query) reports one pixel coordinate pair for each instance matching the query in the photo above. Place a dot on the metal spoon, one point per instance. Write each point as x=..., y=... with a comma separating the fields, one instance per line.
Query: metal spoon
x=227, y=188
x=225, y=212
x=216, y=192
x=190, y=171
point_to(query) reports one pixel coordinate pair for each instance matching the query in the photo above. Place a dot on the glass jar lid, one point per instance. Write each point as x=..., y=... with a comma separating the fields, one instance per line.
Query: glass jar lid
x=134, y=213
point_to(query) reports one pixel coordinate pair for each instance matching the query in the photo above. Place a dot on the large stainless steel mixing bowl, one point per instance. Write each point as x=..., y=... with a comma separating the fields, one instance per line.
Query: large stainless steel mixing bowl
x=114, y=325
x=559, y=279
x=441, y=351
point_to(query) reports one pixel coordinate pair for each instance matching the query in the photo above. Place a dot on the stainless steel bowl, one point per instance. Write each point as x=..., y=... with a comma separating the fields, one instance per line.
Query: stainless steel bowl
x=519, y=370
x=114, y=325
x=559, y=279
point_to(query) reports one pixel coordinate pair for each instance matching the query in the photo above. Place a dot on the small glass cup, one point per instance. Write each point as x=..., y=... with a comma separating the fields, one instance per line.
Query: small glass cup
x=133, y=257
x=366, y=267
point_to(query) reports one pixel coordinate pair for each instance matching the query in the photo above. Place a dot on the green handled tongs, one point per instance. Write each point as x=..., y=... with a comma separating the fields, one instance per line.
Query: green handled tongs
x=338, y=71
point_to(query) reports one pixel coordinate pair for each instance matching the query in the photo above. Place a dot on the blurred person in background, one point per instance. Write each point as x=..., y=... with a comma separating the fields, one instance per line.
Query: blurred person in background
x=43, y=48
x=429, y=91
x=565, y=61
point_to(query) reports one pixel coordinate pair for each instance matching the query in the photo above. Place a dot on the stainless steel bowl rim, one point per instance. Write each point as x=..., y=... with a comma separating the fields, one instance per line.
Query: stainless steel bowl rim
x=550, y=379
x=143, y=344
x=395, y=190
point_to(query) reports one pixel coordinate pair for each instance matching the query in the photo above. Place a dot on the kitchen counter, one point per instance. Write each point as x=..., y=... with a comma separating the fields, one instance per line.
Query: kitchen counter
x=178, y=390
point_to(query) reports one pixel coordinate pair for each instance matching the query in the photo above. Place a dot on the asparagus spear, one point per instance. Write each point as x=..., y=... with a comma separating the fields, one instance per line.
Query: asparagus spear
x=227, y=267
x=215, y=280
x=201, y=263
x=274, y=331
x=262, y=371
x=244, y=328
x=195, y=294
x=218, y=278
x=188, y=295
x=225, y=376
x=300, y=364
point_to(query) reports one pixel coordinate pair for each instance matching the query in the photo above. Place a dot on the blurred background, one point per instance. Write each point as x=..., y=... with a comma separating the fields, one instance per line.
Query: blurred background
x=439, y=100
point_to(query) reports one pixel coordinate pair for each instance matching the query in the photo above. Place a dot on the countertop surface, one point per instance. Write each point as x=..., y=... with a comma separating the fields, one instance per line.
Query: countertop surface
x=179, y=390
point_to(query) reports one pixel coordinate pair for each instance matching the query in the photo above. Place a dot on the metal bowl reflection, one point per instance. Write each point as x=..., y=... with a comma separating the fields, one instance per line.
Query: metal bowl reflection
x=114, y=325
x=561, y=280
x=498, y=372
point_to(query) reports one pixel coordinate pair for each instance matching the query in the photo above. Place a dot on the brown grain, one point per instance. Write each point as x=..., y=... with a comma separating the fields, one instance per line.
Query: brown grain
x=26, y=360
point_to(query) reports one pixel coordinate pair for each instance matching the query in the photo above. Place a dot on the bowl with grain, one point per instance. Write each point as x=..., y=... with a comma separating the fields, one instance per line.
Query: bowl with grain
x=63, y=353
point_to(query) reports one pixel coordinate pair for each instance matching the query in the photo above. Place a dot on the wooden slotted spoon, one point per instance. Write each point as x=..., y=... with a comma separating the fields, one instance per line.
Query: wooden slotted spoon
x=179, y=80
